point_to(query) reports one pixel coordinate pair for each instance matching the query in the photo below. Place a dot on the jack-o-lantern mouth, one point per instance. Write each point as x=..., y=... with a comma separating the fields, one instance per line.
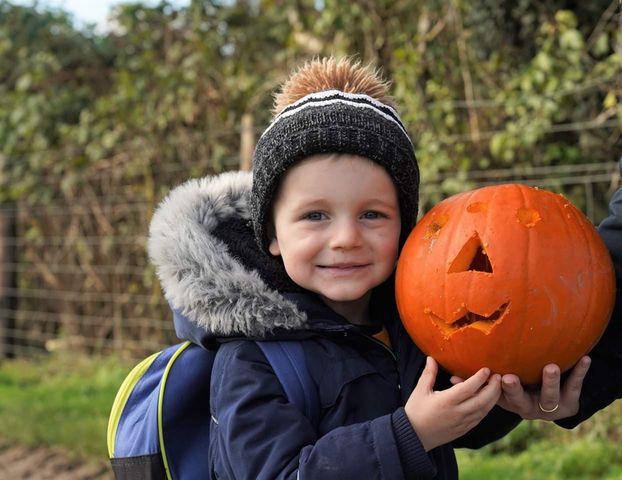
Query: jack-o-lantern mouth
x=484, y=323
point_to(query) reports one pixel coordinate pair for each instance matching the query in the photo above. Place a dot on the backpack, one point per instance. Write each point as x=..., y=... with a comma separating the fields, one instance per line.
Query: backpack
x=159, y=423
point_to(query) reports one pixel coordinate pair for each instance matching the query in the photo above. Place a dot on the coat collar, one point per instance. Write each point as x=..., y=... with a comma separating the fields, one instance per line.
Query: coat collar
x=211, y=270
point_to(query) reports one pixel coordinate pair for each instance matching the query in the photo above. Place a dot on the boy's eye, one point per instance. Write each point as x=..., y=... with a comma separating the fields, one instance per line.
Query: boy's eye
x=371, y=215
x=314, y=216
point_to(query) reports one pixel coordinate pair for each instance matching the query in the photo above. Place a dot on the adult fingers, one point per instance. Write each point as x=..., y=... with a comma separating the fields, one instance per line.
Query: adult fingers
x=514, y=397
x=455, y=380
x=574, y=383
x=550, y=392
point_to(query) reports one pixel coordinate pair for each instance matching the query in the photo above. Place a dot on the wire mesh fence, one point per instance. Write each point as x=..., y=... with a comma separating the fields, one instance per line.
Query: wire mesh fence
x=74, y=271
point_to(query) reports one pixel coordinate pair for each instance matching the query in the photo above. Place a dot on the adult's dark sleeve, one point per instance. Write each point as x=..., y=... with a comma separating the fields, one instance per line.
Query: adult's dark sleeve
x=497, y=424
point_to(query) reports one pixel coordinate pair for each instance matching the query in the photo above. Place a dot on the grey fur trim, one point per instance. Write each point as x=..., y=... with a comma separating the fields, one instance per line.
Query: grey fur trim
x=199, y=276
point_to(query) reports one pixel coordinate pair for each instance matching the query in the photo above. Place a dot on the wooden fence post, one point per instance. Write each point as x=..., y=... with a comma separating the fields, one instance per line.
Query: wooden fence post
x=247, y=142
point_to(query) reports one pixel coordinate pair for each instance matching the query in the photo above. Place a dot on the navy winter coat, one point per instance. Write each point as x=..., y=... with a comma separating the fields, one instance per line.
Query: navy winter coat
x=202, y=244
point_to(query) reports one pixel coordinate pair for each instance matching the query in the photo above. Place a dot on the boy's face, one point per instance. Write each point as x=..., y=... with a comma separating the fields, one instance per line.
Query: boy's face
x=337, y=226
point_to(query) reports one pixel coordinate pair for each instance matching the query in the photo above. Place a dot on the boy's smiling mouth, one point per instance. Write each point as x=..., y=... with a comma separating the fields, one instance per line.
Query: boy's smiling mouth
x=343, y=268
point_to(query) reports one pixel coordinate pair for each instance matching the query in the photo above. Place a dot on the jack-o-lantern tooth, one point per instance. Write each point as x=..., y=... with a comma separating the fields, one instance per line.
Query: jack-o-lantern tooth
x=467, y=319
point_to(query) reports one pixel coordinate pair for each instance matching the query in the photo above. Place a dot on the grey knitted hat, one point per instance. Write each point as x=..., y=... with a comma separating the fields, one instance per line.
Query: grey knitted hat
x=333, y=121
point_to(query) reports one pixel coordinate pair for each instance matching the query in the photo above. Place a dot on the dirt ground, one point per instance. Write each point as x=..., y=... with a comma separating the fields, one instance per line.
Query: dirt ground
x=21, y=463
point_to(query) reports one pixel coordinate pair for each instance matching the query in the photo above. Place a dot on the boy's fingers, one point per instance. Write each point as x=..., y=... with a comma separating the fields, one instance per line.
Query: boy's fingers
x=486, y=398
x=471, y=385
x=428, y=376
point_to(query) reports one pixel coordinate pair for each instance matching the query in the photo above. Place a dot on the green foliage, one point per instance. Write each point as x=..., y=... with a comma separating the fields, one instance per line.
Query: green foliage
x=49, y=73
x=481, y=84
x=59, y=400
x=106, y=122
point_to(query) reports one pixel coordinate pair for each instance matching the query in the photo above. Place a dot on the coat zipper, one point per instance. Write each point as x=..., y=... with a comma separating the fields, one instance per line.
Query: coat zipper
x=391, y=352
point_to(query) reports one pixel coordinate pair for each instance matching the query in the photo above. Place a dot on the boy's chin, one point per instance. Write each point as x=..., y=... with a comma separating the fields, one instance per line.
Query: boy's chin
x=344, y=297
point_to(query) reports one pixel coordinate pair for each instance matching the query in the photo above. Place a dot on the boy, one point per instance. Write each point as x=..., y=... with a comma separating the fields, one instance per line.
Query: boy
x=332, y=198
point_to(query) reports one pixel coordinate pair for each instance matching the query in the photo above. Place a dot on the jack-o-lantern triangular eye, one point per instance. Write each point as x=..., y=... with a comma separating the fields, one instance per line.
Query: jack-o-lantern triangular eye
x=472, y=257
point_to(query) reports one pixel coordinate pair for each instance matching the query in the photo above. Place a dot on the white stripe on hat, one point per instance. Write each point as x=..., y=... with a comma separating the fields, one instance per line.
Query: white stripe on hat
x=346, y=95
x=316, y=100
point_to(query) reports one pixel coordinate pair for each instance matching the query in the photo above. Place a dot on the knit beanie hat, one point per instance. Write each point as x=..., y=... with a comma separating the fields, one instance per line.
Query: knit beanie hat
x=333, y=121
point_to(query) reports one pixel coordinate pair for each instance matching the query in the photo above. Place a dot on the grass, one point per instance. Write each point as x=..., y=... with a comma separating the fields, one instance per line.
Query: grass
x=543, y=451
x=59, y=400
x=546, y=461
x=64, y=401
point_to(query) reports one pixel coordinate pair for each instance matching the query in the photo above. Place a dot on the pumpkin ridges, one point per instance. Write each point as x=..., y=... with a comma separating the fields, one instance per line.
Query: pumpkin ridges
x=581, y=236
x=589, y=230
x=576, y=234
x=577, y=241
x=529, y=233
x=558, y=334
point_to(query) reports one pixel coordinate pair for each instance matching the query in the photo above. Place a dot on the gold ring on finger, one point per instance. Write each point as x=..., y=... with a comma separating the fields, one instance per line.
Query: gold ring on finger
x=547, y=410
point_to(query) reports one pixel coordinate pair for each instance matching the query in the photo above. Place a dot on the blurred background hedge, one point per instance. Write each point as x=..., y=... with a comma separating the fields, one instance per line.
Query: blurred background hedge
x=96, y=126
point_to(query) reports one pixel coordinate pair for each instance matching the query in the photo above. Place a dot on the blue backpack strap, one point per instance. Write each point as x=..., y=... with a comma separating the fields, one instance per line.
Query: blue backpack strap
x=290, y=366
x=184, y=417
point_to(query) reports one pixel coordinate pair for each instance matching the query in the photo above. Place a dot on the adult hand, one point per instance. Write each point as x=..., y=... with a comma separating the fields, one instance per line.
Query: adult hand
x=439, y=417
x=552, y=401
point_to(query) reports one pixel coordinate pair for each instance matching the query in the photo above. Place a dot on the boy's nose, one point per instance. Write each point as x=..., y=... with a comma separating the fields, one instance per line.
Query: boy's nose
x=346, y=234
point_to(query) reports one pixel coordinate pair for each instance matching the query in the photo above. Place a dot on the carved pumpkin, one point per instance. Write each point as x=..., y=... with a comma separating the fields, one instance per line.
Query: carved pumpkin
x=508, y=277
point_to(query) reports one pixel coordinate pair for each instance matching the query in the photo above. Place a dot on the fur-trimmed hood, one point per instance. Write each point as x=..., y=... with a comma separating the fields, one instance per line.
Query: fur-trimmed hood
x=212, y=272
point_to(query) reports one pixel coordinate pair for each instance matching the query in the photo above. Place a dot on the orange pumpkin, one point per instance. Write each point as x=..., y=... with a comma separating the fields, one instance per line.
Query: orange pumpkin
x=509, y=277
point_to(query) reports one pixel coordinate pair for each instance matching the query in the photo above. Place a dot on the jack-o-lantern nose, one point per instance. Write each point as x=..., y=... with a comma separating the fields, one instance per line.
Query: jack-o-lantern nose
x=472, y=257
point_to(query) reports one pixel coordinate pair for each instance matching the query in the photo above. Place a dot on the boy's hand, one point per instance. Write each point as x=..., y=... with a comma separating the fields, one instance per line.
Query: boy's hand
x=551, y=402
x=440, y=417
